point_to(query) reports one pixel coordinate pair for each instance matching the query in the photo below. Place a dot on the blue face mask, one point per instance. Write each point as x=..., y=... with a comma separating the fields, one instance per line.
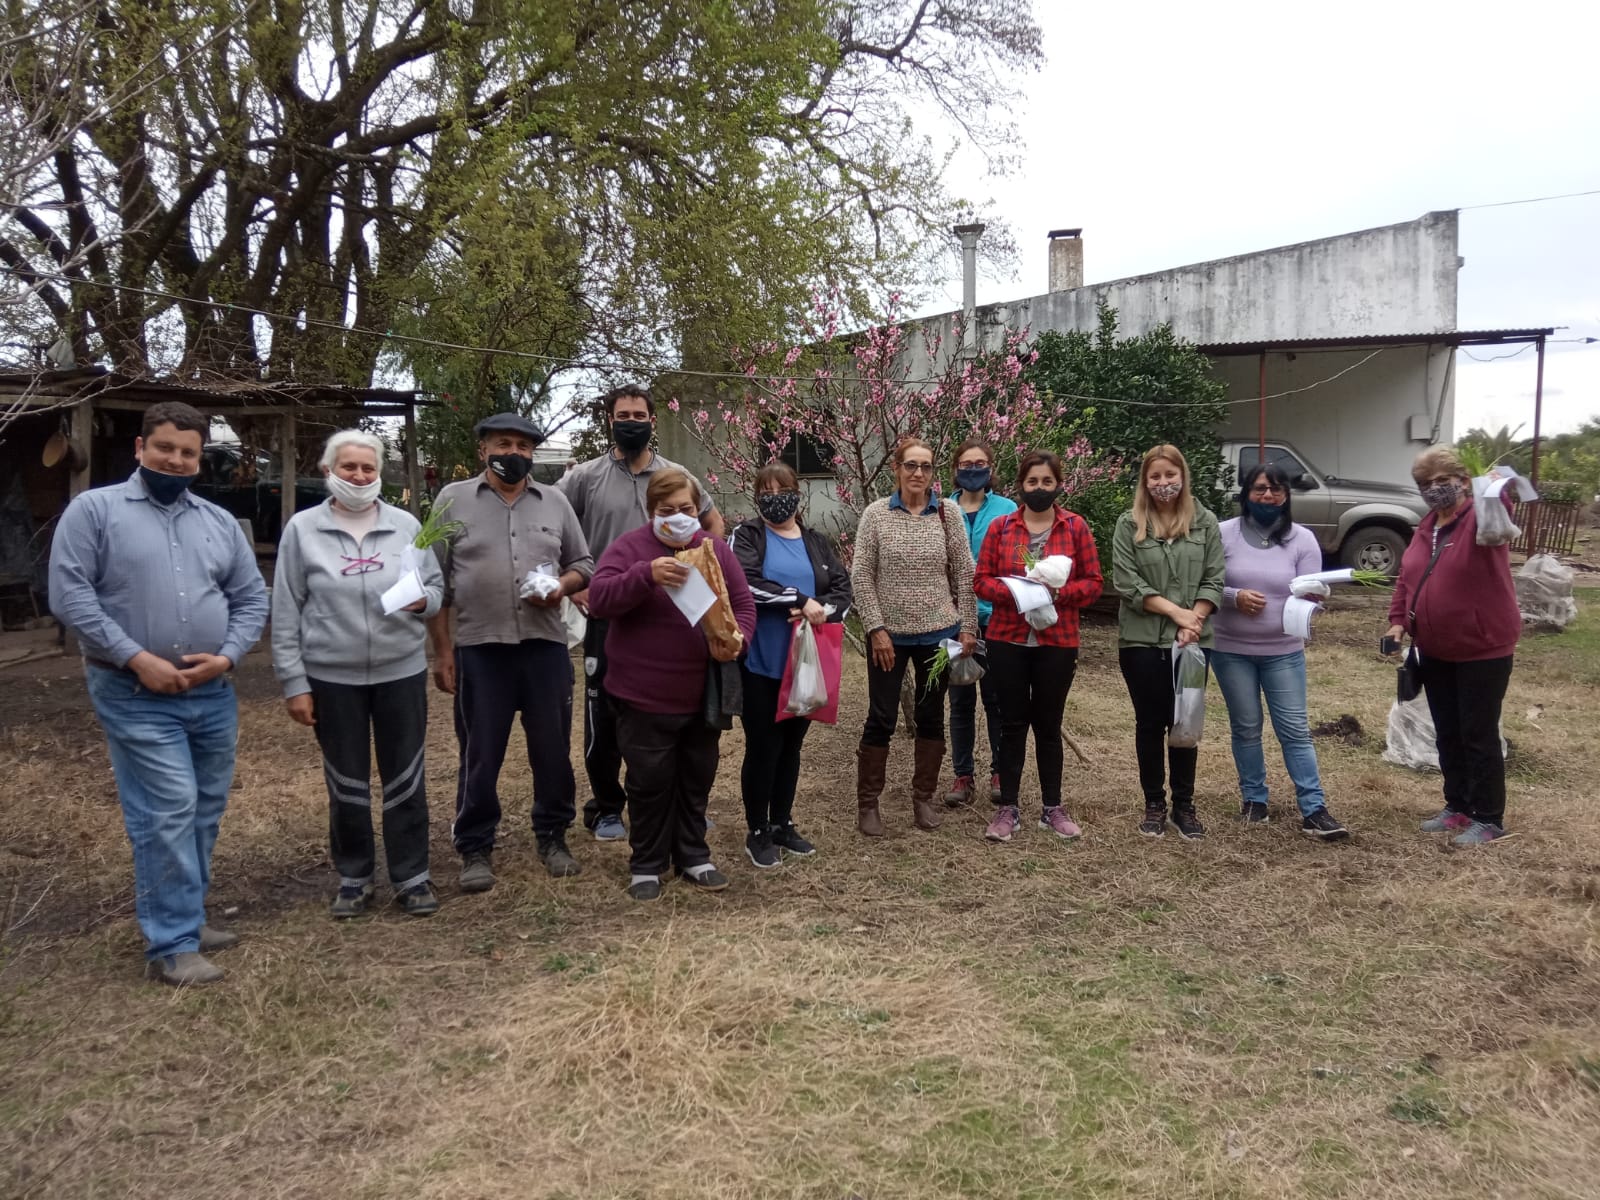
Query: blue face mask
x=973, y=479
x=1264, y=515
x=164, y=489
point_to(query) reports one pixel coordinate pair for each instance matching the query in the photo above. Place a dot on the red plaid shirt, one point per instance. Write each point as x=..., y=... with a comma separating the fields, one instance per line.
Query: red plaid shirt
x=1003, y=548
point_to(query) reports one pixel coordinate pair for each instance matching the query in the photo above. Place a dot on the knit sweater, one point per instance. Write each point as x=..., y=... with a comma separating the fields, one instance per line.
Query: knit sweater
x=1253, y=567
x=912, y=572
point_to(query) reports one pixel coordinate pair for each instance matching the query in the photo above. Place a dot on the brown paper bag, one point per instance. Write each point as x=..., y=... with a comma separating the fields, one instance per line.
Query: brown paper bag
x=723, y=638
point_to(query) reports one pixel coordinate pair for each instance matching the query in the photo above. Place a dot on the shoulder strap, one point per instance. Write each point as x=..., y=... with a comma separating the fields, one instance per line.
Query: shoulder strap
x=1411, y=613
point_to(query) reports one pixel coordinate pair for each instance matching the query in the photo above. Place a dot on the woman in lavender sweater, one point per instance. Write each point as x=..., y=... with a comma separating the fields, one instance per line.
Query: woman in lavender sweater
x=1264, y=550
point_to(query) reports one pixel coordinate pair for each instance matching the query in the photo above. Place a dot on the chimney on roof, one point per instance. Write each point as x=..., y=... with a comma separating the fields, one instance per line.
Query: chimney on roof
x=1066, y=259
x=969, y=235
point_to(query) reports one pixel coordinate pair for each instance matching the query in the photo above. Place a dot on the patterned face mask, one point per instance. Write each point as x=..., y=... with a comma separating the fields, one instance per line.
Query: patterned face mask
x=1441, y=496
x=1164, y=493
x=778, y=507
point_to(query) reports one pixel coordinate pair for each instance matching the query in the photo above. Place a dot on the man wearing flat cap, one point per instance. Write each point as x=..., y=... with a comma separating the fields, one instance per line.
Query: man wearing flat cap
x=507, y=653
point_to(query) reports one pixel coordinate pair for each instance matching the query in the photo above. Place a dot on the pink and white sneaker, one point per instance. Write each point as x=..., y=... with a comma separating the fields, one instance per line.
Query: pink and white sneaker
x=1006, y=822
x=1057, y=822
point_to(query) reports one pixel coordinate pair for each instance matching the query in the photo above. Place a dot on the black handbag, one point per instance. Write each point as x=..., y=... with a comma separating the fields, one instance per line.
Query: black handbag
x=723, y=699
x=1408, y=675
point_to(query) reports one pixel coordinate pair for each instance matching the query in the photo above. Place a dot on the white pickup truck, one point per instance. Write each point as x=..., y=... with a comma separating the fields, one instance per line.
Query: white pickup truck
x=1360, y=522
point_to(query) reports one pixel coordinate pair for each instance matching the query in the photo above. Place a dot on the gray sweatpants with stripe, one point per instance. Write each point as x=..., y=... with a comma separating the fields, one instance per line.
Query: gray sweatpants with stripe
x=350, y=720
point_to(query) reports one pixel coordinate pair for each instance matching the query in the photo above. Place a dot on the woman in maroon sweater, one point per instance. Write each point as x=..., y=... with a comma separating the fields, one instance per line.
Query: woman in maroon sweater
x=656, y=682
x=1464, y=621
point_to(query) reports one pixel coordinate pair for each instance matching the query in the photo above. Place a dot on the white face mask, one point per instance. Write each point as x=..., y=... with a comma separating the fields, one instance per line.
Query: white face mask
x=355, y=497
x=677, y=529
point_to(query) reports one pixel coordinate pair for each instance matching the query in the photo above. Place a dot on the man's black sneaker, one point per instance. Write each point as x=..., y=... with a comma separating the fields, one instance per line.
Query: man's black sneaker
x=1253, y=814
x=787, y=838
x=707, y=881
x=476, y=874
x=557, y=859
x=645, y=889
x=1321, y=824
x=758, y=847
x=418, y=900
x=351, y=901
x=1155, y=821
x=1187, y=823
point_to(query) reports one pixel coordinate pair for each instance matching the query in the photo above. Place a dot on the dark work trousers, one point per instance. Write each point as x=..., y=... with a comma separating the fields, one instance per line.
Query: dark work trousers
x=1031, y=683
x=883, y=696
x=493, y=684
x=1465, y=699
x=1147, y=670
x=964, y=721
x=602, y=759
x=771, y=754
x=672, y=762
x=350, y=720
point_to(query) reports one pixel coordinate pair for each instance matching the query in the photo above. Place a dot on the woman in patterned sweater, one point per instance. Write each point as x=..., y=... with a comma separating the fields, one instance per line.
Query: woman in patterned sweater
x=912, y=578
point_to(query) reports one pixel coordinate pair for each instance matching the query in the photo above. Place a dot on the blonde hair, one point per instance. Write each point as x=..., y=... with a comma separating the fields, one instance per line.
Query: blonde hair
x=909, y=442
x=1437, y=460
x=1147, y=518
x=666, y=481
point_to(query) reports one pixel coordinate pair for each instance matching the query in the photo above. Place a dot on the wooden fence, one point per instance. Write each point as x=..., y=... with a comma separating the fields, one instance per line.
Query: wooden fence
x=1548, y=526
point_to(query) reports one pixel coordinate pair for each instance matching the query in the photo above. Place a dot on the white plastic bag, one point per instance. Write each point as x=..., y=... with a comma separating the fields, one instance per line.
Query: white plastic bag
x=574, y=622
x=541, y=583
x=1411, y=741
x=1041, y=618
x=967, y=669
x=1189, y=673
x=1544, y=593
x=1495, y=527
x=1053, y=570
x=808, y=691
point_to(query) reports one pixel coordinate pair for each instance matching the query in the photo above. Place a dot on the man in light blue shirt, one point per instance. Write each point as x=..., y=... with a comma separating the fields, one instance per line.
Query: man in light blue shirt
x=163, y=592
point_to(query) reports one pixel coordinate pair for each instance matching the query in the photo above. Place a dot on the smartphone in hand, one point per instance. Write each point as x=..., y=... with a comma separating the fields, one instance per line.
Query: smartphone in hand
x=1388, y=646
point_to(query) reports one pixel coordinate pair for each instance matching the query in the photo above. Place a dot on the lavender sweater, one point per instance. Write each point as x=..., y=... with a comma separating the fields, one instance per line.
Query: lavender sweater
x=1268, y=570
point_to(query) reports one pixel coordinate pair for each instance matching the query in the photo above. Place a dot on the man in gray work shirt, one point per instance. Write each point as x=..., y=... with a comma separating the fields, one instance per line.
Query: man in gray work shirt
x=162, y=590
x=607, y=493
x=508, y=653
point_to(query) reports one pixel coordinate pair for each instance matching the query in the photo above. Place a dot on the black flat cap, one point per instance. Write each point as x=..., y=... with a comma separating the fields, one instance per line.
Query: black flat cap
x=509, y=422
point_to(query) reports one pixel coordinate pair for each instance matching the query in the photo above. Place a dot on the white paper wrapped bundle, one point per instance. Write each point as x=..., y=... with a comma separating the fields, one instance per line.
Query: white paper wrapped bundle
x=1053, y=570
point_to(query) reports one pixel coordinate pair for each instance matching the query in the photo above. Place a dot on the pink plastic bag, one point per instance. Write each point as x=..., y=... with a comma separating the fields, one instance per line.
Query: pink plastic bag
x=830, y=650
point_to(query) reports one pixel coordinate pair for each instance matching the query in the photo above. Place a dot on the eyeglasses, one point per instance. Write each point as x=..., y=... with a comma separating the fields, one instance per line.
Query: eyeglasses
x=687, y=510
x=976, y=465
x=1438, y=481
x=917, y=468
x=1267, y=490
x=361, y=566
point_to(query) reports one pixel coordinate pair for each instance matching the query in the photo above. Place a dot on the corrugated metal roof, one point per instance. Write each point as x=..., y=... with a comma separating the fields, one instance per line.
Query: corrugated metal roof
x=1453, y=337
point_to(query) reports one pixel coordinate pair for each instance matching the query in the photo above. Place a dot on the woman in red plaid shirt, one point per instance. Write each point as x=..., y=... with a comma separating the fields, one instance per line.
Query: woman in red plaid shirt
x=1032, y=659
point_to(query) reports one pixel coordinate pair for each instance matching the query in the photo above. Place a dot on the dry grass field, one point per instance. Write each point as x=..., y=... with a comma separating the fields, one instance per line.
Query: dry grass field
x=926, y=1016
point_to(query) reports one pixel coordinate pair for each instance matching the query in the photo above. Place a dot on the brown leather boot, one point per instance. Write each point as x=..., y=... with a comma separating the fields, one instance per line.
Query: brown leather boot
x=929, y=757
x=871, y=762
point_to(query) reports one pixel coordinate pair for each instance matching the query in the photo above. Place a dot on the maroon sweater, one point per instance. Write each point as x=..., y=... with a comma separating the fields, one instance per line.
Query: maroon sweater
x=1467, y=610
x=656, y=660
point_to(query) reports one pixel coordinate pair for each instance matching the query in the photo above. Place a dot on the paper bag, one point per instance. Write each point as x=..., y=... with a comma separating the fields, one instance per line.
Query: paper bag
x=723, y=638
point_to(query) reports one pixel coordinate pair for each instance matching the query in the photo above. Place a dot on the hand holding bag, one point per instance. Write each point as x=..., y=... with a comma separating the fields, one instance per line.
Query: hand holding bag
x=828, y=641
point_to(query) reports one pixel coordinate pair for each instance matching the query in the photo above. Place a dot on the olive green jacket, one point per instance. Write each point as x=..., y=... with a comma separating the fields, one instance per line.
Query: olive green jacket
x=1185, y=571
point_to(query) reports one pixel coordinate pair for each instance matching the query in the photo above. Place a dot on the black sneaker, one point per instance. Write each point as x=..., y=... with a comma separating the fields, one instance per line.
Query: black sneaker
x=418, y=901
x=1155, y=821
x=476, y=874
x=645, y=889
x=787, y=838
x=758, y=847
x=1187, y=824
x=1253, y=814
x=707, y=881
x=1321, y=824
x=351, y=901
x=557, y=859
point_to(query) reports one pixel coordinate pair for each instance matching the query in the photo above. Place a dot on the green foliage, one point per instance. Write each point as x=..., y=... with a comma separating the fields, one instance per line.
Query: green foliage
x=1569, y=463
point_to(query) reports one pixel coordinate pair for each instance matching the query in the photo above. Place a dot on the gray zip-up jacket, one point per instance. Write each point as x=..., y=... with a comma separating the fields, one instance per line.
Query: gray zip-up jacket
x=327, y=613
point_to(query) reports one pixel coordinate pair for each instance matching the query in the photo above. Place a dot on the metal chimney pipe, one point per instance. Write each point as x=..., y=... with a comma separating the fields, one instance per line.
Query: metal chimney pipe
x=969, y=235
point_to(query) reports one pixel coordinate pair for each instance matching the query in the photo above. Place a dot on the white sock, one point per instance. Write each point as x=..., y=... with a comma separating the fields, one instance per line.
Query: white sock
x=644, y=879
x=697, y=872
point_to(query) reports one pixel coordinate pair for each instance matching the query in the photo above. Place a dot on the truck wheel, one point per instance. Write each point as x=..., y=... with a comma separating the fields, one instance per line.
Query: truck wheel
x=1373, y=548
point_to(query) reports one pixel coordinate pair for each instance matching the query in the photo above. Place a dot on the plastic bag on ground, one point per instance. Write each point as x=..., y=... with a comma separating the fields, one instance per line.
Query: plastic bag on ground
x=1189, y=673
x=809, y=690
x=1410, y=741
x=1544, y=593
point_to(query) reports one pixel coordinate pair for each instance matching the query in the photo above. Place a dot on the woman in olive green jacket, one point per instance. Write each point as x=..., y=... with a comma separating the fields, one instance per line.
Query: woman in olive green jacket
x=1167, y=566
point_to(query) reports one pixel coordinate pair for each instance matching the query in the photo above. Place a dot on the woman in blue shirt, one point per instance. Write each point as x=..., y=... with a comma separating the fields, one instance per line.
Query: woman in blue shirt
x=980, y=506
x=793, y=572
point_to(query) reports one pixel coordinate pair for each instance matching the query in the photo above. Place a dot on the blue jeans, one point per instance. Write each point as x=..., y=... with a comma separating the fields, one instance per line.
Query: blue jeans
x=173, y=758
x=964, y=723
x=1244, y=679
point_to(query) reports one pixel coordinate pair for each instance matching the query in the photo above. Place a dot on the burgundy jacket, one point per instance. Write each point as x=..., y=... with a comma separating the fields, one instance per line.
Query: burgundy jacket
x=1467, y=610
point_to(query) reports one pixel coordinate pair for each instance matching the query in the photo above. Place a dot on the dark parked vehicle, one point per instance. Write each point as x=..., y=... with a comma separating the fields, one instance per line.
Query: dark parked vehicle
x=250, y=486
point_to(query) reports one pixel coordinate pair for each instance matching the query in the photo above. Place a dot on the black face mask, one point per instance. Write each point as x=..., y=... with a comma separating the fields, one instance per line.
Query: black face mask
x=510, y=468
x=778, y=507
x=631, y=436
x=164, y=489
x=973, y=479
x=1040, y=499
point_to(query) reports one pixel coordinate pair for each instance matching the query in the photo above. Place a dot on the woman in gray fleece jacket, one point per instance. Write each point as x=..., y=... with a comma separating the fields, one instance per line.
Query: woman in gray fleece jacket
x=356, y=674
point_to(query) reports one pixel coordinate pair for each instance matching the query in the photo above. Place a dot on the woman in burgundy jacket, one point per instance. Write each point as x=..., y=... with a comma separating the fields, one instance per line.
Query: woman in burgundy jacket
x=1463, y=618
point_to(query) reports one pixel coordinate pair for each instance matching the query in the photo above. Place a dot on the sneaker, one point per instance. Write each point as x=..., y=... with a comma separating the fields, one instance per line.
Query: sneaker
x=1446, y=820
x=1155, y=820
x=212, y=940
x=476, y=875
x=351, y=901
x=183, y=970
x=787, y=838
x=707, y=881
x=557, y=859
x=1477, y=833
x=1005, y=824
x=609, y=828
x=1321, y=824
x=645, y=889
x=418, y=900
x=1253, y=814
x=960, y=792
x=1057, y=822
x=994, y=788
x=758, y=848
x=1187, y=823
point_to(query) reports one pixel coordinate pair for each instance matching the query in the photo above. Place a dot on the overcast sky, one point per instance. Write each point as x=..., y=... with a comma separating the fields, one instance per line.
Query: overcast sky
x=1175, y=133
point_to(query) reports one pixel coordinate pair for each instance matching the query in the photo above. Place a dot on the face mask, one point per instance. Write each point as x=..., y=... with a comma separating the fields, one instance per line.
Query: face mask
x=973, y=479
x=1164, y=493
x=1040, y=499
x=676, y=529
x=1442, y=496
x=164, y=489
x=631, y=436
x=354, y=496
x=1264, y=515
x=510, y=468
x=778, y=507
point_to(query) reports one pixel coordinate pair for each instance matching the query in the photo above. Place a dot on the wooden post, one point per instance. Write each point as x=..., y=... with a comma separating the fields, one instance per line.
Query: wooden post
x=413, y=475
x=289, y=468
x=83, y=435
